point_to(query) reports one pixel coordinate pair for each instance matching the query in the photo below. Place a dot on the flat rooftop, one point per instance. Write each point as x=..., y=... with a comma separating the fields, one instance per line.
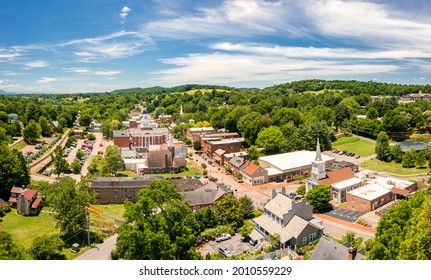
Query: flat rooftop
x=370, y=192
x=293, y=160
x=346, y=183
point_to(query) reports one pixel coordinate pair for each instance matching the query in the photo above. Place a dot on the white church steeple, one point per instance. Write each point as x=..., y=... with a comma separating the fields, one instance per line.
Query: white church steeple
x=181, y=110
x=318, y=165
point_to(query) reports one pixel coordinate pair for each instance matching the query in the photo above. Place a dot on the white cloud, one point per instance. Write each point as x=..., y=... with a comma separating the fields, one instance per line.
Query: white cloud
x=233, y=18
x=92, y=72
x=47, y=80
x=124, y=13
x=36, y=64
x=106, y=73
x=259, y=70
x=374, y=24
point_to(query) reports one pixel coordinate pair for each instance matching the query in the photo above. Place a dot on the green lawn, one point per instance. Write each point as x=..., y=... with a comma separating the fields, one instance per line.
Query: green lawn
x=393, y=168
x=18, y=146
x=355, y=145
x=191, y=172
x=25, y=229
x=127, y=173
x=114, y=210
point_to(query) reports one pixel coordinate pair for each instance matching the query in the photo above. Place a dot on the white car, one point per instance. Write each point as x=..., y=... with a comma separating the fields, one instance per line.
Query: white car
x=223, y=237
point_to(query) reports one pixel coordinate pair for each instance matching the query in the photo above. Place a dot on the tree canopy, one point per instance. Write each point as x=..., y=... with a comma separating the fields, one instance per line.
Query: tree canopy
x=319, y=196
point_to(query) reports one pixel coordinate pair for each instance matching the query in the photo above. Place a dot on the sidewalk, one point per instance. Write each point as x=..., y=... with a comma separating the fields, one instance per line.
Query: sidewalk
x=345, y=223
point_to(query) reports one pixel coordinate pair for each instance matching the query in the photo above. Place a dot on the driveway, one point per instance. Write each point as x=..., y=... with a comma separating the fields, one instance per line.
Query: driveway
x=343, y=214
x=235, y=245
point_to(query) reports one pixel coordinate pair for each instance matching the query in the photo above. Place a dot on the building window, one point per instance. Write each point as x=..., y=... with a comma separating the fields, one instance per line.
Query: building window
x=363, y=204
x=304, y=240
x=353, y=200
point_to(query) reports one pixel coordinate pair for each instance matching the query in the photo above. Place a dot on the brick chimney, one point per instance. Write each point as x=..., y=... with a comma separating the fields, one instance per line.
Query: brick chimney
x=352, y=252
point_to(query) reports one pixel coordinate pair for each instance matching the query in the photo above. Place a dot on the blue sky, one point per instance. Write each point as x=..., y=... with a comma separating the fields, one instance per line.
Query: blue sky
x=101, y=45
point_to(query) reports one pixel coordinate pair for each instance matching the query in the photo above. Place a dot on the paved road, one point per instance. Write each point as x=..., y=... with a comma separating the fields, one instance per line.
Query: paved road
x=337, y=230
x=101, y=251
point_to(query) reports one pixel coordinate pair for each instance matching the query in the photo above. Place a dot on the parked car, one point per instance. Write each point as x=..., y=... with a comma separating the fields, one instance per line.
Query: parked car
x=357, y=156
x=225, y=252
x=223, y=237
x=38, y=146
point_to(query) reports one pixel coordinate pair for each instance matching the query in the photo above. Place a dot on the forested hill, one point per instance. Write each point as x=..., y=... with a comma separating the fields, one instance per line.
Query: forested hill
x=349, y=87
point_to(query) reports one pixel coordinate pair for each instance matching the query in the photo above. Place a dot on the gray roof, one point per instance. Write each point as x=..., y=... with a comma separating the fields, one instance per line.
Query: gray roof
x=208, y=194
x=328, y=249
x=237, y=162
x=120, y=133
x=279, y=205
x=122, y=182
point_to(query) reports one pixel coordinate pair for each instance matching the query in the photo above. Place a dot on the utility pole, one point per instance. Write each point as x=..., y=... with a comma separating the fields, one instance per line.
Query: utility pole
x=88, y=226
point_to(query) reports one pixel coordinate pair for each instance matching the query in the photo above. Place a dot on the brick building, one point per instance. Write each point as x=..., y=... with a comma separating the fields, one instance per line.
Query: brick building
x=140, y=137
x=194, y=133
x=228, y=145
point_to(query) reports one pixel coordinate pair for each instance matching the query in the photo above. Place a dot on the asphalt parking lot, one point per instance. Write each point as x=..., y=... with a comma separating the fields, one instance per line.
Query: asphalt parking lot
x=235, y=245
x=343, y=214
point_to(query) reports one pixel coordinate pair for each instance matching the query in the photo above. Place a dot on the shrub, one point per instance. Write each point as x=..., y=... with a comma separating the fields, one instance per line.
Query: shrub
x=269, y=249
x=91, y=137
x=6, y=207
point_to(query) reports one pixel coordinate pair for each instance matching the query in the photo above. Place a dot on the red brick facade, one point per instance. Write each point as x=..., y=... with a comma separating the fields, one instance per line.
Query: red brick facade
x=360, y=204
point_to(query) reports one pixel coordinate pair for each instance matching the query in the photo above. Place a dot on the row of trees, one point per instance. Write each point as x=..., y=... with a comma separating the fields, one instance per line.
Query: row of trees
x=161, y=226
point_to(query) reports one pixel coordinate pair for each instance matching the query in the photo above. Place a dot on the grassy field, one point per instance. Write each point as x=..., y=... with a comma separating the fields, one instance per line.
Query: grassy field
x=355, y=145
x=393, y=168
x=127, y=173
x=25, y=229
x=19, y=145
x=114, y=210
x=191, y=172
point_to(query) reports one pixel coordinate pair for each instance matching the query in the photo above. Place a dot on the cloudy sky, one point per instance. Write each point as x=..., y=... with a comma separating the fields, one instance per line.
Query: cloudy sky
x=102, y=45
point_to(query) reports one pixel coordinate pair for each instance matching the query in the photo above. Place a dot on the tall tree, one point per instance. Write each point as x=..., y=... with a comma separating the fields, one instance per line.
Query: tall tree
x=382, y=147
x=249, y=126
x=60, y=164
x=69, y=201
x=253, y=152
x=156, y=225
x=271, y=138
x=228, y=212
x=420, y=159
x=31, y=131
x=45, y=126
x=114, y=160
x=247, y=206
x=8, y=249
x=397, y=153
x=14, y=170
x=47, y=247
x=319, y=196
x=408, y=160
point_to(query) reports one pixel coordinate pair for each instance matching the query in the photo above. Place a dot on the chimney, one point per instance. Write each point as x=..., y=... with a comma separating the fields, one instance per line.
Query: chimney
x=23, y=187
x=274, y=193
x=283, y=191
x=352, y=252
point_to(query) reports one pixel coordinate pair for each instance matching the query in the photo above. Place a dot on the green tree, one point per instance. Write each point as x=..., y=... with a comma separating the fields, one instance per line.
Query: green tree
x=205, y=217
x=249, y=126
x=32, y=131
x=397, y=153
x=80, y=154
x=156, y=225
x=301, y=190
x=45, y=126
x=228, y=212
x=382, y=147
x=408, y=160
x=85, y=120
x=47, y=247
x=60, y=164
x=197, y=145
x=8, y=249
x=247, y=206
x=351, y=238
x=76, y=167
x=113, y=159
x=420, y=160
x=4, y=138
x=274, y=240
x=253, y=152
x=69, y=201
x=342, y=113
x=319, y=196
x=238, y=176
x=372, y=113
x=14, y=170
x=245, y=230
x=271, y=138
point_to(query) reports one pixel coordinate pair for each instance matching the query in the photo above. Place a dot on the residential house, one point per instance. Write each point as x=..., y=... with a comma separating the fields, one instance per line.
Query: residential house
x=206, y=196
x=12, y=117
x=292, y=220
x=25, y=200
x=164, y=118
x=328, y=249
x=412, y=97
x=254, y=174
x=79, y=133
